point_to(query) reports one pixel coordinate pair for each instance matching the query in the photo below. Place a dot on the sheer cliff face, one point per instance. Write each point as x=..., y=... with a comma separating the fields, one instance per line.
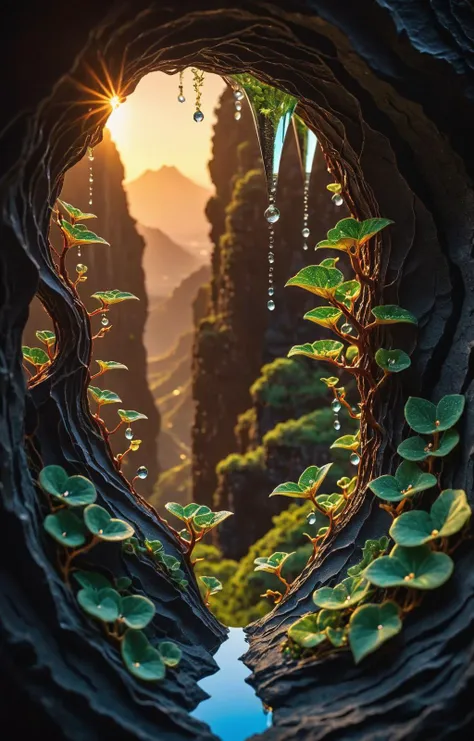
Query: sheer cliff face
x=118, y=266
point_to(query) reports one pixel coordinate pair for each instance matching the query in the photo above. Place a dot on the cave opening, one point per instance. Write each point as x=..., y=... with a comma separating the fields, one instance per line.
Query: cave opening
x=354, y=113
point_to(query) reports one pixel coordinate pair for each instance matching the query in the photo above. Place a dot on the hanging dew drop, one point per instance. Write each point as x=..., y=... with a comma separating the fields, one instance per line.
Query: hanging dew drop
x=311, y=518
x=142, y=472
x=337, y=424
x=354, y=459
x=347, y=328
x=305, y=232
x=271, y=257
x=238, y=94
x=129, y=433
x=237, y=115
x=336, y=406
x=80, y=268
x=79, y=252
x=337, y=199
x=238, y=106
x=271, y=291
x=271, y=306
x=181, y=98
x=272, y=214
x=198, y=116
x=104, y=321
x=305, y=246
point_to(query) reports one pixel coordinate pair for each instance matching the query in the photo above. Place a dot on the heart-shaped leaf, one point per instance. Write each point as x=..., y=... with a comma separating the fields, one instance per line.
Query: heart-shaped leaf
x=79, y=234
x=192, y=509
x=103, y=396
x=408, y=480
x=349, y=592
x=319, y=350
x=44, y=335
x=448, y=515
x=75, y=213
x=305, y=632
x=140, y=658
x=137, y=611
x=419, y=449
x=313, y=477
x=129, y=415
x=170, y=653
x=102, y=604
x=211, y=519
x=103, y=526
x=372, y=549
x=272, y=563
x=392, y=361
x=35, y=355
x=416, y=568
x=318, y=280
x=108, y=365
x=66, y=528
x=337, y=636
x=347, y=292
x=122, y=583
x=176, y=509
x=75, y=491
x=331, y=502
x=329, y=262
x=212, y=584
x=325, y=316
x=427, y=418
x=392, y=314
x=91, y=580
x=346, y=442
x=113, y=297
x=372, y=625
x=289, y=489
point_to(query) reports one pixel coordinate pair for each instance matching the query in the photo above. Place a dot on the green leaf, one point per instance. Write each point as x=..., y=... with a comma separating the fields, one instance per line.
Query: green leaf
x=211, y=583
x=350, y=232
x=171, y=563
x=211, y=519
x=329, y=262
x=318, y=280
x=129, y=415
x=289, y=489
x=347, y=442
x=75, y=213
x=347, y=292
x=416, y=568
x=79, y=234
x=273, y=562
x=370, y=227
x=153, y=546
x=75, y=491
x=349, y=592
x=49, y=338
x=392, y=361
x=137, y=611
x=35, y=355
x=176, y=509
x=325, y=316
x=372, y=625
x=103, y=526
x=107, y=365
x=103, y=396
x=114, y=297
x=330, y=502
x=102, y=604
x=331, y=381
x=91, y=580
x=419, y=449
x=170, y=653
x=337, y=636
x=351, y=353
x=449, y=513
x=328, y=619
x=122, y=583
x=393, y=314
x=408, y=480
x=321, y=349
x=66, y=528
x=305, y=632
x=140, y=658
x=314, y=476
x=426, y=418
x=372, y=549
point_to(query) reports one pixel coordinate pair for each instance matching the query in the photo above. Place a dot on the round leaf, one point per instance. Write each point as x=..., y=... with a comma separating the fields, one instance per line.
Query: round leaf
x=130, y=415
x=370, y=626
x=137, y=611
x=448, y=515
x=349, y=592
x=392, y=361
x=103, y=526
x=325, y=316
x=305, y=632
x=408, y=480
x=66, y=528
x=392, y=314
x=75, y=491
x=140, y=658
x=416, y=568
x=170, y=653
x=102, y=604
x=91, y=580
x=426, y=418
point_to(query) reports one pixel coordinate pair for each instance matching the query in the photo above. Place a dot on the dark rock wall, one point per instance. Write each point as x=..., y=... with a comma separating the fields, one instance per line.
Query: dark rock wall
x=390, y=92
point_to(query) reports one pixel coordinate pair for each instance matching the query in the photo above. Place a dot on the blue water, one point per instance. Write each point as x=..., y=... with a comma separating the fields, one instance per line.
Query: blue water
x=233, y=710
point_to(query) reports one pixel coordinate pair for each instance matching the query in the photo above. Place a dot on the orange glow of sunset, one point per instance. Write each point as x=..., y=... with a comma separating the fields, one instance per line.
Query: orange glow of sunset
x=151, y=128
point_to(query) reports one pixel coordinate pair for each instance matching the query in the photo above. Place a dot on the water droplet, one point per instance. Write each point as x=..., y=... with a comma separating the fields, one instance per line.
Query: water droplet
x=337, y=424
x=271, y=291
x=91, y=156
x=354, y=459
x=79, y=252
x=238, y=106
x=91, y=179
x=238, y=94
x=312, y=518
x=90, y=204
x=337, y=199
x=81, y=268
x=104, y=321
x=271, y=305
x=391, y=361
x=271, y=257
x=181, y=98
x=347, y=328
x=237, y=115
x=272, y=214
x=305, y=246
x=142, y=472
x=198, y=116
x=305, y=232
x=129, y=433
x=336, y=406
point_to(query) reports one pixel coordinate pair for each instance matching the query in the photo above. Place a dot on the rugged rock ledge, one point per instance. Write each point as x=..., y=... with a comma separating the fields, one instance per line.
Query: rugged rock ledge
x=392, y=112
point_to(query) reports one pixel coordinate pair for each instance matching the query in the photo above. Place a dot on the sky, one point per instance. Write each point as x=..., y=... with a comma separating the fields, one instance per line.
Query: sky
x=151, y=128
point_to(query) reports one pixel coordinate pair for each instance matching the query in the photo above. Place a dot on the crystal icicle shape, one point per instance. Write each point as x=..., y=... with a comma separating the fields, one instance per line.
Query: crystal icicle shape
x=307, y=142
